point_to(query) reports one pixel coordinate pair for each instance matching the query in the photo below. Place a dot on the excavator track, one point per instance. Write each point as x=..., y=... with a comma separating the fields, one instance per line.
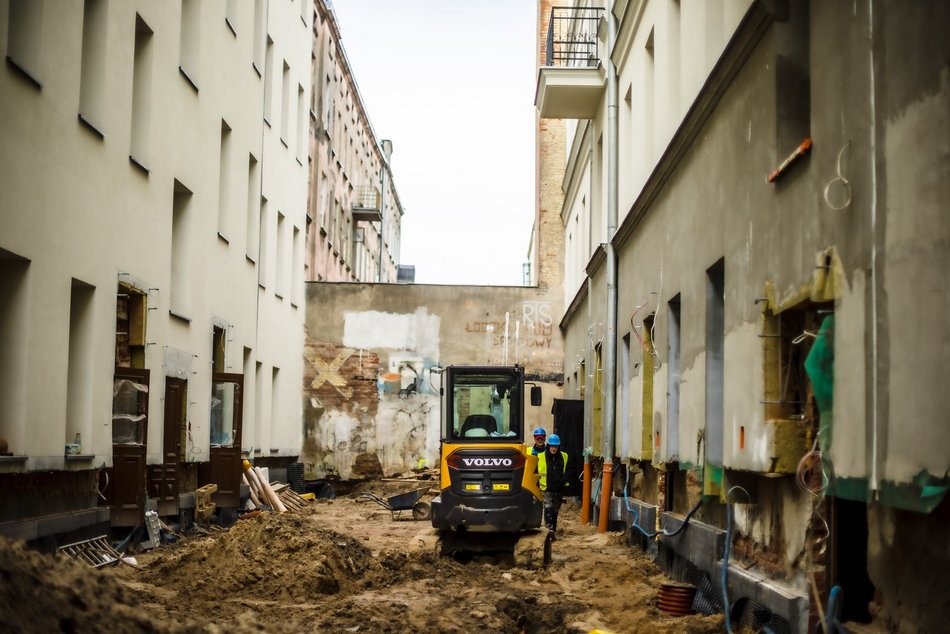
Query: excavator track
x=529, y=549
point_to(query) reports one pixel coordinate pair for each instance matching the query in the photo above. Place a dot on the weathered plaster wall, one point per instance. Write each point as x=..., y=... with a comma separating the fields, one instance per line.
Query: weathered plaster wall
x=371, y=401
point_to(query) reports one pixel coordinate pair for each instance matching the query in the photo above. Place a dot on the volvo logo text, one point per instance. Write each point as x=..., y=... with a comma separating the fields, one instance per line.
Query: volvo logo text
x=487, y=462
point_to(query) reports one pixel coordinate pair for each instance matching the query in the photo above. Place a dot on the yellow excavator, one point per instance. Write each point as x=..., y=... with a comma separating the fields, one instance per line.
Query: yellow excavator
x=489, y=499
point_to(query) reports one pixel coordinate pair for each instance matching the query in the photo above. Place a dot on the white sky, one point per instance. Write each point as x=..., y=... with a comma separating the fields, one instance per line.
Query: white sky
x=451, y=83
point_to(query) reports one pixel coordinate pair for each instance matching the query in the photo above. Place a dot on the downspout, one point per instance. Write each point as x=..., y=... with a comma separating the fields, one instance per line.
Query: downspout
x=387, y=149
x=874, y=271
x=610, y=365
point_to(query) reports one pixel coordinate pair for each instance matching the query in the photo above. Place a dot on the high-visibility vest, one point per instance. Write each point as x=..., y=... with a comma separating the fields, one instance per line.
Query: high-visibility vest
x=543, y=469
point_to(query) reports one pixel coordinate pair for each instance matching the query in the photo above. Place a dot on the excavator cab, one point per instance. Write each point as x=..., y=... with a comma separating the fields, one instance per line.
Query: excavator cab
x=489, y=493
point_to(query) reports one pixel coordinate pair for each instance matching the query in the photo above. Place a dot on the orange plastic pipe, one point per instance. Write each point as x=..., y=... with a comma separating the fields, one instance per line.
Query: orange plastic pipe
x=606, y=486
x=585, y=494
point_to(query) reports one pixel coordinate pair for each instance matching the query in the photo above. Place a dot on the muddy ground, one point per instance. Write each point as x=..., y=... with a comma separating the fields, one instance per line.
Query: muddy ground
x=340, y=566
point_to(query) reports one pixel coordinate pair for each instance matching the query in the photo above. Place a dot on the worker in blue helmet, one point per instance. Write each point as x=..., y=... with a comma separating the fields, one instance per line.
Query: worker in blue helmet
x=540, y=442
x=552, y=466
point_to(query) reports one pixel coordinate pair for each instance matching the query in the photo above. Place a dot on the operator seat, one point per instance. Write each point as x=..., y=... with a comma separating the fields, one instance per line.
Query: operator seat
x=484, y=422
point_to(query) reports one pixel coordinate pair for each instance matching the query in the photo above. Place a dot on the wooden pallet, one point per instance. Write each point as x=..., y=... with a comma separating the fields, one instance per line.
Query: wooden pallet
x=292, y=500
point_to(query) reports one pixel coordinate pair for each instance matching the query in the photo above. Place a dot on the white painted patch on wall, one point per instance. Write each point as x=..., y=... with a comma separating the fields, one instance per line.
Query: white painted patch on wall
x=374, y=330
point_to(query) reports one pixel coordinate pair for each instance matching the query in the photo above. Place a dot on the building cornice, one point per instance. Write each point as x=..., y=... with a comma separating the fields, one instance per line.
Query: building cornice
x=754, y=25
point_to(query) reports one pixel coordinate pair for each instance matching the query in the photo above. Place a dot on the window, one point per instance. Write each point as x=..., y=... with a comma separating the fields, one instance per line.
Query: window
x=141, y=94
x=25, y=38
x=259, y=18
x=190, y=44
x=285, y=105
x=280, y=256
x=673, y=378
x=93, y=70
x=485, y=405
x=79, y=369
x=230, y=16
x=649, y=99
x=301, y=125
x=296, y=266
x=715, y=344
x=263, y=261
x=14, y=361
x=181, y=251
x=129, y=406
x=253, y=208
x=269, y=81
x=224, y=182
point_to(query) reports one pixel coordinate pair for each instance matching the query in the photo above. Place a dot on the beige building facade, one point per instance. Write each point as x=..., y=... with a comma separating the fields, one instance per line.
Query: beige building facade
x=767, y=182
x=354, y=210
x=153, y=205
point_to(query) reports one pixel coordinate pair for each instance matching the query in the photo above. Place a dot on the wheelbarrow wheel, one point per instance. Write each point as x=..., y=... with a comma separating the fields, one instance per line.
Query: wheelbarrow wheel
x=421, y=511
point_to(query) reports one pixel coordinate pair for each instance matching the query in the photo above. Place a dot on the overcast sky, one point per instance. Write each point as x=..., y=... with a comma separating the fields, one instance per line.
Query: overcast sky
x=451, y=83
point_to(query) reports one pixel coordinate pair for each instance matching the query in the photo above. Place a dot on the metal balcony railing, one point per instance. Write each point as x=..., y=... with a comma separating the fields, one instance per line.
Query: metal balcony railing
x=572, y=37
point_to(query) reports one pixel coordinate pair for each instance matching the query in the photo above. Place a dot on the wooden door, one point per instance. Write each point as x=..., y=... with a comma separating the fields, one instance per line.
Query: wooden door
x=163, y=477
x=129, y=433
x=569, y=425
x=227, y=403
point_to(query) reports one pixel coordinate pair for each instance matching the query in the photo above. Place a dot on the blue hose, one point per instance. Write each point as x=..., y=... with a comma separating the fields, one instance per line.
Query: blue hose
x=831, y=612
x=664, y=532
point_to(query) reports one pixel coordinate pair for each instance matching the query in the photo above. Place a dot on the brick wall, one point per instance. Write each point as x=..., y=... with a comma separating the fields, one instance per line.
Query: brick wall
x=340, y=378
x=549, y=231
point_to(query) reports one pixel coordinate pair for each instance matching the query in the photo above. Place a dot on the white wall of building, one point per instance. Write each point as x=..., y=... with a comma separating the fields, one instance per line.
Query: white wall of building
x=77, y=212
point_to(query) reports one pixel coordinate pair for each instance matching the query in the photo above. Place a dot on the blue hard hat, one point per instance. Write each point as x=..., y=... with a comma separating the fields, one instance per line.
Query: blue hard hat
x=540, y=432
x=554, y=440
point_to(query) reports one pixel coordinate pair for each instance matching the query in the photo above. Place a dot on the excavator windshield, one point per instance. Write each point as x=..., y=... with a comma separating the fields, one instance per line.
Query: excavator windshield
x=485, y=404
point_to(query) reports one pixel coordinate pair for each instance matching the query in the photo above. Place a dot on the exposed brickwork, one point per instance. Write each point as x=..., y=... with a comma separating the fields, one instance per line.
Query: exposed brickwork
x=550, y=148
x=340, y=377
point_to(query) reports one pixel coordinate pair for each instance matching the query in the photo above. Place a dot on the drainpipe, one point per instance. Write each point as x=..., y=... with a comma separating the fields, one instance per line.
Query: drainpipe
x=875, y=448
x=610, y=365
x=383, y=169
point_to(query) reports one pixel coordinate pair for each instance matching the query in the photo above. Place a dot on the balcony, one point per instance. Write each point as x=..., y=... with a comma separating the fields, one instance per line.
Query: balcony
x=572, y=81
x=366, y=205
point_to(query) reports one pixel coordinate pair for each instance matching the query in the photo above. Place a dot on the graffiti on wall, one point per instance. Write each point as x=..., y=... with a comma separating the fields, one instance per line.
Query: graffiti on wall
x=533, y=328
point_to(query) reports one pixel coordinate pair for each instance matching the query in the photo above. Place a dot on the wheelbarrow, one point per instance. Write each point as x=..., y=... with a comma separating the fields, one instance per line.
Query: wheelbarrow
x=408, y=501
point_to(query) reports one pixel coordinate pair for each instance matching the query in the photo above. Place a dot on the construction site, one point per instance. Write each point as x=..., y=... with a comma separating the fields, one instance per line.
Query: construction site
x=228, y=404
x=340, y=565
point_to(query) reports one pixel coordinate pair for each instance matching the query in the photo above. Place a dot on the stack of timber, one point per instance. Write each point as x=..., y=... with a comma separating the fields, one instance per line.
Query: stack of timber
x=278, y=496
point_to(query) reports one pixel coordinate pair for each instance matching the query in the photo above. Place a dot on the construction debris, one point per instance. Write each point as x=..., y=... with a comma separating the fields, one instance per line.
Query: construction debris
x=96, y=552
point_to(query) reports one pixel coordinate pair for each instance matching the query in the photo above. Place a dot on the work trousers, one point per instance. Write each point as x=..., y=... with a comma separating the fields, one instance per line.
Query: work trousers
x=552, y=504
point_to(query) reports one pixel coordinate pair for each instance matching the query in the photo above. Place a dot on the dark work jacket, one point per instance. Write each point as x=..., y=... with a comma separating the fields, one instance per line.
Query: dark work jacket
x=552, y=468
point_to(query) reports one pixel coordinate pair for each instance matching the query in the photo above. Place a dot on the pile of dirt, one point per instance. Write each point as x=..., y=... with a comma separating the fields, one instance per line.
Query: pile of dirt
x=270, y=557
x=47, y=593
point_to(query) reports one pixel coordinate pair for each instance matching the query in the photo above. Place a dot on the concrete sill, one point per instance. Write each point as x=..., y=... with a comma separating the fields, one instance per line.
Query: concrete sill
x=80, y=457
x=92, y=127
x=24, y=73
x=139, y=164
x=188, y=78
x=181, y=316
x=20, y=459
x=257, y=69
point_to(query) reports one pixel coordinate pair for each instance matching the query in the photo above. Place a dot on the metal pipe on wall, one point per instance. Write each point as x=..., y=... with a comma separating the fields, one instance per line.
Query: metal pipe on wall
x=610, y=365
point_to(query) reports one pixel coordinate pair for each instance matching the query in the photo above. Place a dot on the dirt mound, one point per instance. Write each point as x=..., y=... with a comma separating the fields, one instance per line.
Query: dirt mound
x=270, y=557
x=47, y=593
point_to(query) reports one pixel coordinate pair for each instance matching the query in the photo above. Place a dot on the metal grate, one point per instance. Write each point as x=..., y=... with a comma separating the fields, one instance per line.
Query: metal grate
x=96, y=552
x=754, y=616
x=706, y=600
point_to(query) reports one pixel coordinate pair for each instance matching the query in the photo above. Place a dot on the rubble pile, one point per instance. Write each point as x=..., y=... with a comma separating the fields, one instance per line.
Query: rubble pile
x=270, y=557
x=49, y=593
